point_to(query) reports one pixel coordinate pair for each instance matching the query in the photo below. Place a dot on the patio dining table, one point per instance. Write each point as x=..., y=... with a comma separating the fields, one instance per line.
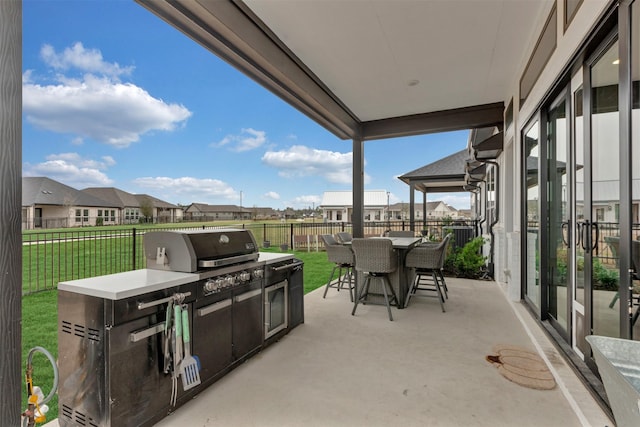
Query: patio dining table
x=400, y=277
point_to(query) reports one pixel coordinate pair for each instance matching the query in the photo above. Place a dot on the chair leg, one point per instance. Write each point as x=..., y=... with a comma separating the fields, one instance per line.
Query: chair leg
x=439, y=290
x=365, y=286
x=340, y=283
x=412, y=289
x=385, y=282
x=444, y=284
x=613, y=301
x=352, y=281
x=328, y=285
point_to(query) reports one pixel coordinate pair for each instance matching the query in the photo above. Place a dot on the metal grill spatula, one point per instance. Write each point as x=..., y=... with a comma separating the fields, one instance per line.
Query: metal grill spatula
x=189, y=369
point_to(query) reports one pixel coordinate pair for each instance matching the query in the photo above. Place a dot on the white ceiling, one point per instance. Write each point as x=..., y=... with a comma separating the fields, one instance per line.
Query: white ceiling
x=367, y=52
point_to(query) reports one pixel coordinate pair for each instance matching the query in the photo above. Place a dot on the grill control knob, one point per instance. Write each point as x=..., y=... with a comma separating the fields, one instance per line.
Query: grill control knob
x=258, y=274
x=245, y=276
x=211, y=285
x=229, y=281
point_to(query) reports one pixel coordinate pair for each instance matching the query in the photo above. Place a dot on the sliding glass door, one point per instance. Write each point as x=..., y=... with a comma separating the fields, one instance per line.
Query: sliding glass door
x=559, y=223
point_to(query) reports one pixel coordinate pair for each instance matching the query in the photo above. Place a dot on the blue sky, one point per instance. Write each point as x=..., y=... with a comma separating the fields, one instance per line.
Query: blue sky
x=115, y=97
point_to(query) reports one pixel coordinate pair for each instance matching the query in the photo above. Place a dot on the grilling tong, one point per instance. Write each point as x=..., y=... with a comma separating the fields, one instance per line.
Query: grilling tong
x=175, y=363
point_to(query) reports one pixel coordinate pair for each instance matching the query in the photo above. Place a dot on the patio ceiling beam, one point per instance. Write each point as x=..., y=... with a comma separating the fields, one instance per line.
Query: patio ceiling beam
x=231, y=31
x=477, y=116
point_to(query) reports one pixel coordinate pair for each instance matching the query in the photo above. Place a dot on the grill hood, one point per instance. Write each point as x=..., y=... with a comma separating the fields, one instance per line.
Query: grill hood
x=193, y=250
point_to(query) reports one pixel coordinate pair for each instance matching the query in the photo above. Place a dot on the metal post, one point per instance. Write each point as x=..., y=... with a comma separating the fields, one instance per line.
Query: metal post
x=10, y=204
x=133, y=248
x=357, y=219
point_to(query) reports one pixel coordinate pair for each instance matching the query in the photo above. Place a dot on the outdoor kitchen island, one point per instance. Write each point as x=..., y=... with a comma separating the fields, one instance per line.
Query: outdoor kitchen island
x=120, y=354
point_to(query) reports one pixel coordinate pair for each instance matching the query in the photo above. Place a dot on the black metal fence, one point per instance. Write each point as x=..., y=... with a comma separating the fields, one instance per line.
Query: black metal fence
x=50, y=257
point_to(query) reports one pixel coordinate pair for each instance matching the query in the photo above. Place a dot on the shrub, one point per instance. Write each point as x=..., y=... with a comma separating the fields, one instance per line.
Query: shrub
x=467, y=261
x=606, y=279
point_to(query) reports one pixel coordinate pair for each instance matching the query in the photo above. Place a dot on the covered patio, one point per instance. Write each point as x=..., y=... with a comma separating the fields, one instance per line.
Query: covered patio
x=424, y=368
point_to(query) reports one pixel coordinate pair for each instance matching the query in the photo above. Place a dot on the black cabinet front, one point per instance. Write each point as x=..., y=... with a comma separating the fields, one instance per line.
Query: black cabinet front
x=212, y=337
x=247, y=322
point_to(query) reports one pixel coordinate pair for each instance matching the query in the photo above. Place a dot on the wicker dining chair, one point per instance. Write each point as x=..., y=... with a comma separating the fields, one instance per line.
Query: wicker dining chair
x=375, y=258
x=342, y=257
x=344, y=237
x=428, y=261
x=443, y=282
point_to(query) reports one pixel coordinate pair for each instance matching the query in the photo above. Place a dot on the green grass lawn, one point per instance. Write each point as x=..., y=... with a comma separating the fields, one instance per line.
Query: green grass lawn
x=40, y=322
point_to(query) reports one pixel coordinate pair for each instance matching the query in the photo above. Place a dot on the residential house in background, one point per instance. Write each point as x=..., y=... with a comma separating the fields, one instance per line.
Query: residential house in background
x=47, y=203
x=50, y=204
x=205, y=212
x=132, y=207
x=337, y=206
x=263, y=213
x=435, y=210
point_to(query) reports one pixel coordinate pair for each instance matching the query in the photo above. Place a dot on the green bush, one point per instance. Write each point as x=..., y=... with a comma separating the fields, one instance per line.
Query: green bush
x=467, y=261
x=606, y=279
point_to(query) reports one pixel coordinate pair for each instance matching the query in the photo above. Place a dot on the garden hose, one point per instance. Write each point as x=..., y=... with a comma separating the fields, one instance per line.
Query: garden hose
x=36, y=400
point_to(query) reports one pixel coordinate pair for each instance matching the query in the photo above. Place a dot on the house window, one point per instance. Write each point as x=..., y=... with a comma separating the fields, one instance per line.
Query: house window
x=99, y=213
x=113, y=215
x=491, y=193
x=338, y=216
x=599, y=214
x=541, y=53
x=85, y=215
x=78, y=215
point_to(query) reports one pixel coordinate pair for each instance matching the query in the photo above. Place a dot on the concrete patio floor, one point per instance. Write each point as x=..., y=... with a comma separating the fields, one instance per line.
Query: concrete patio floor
x=426, y=368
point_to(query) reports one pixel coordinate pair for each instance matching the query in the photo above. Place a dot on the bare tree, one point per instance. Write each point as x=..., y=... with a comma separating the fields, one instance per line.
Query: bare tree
x=146, y=208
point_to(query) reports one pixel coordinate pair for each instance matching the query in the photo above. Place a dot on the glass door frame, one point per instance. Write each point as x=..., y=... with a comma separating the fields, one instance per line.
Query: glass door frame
x=565, y=331
x=625, y=109
x=538, y=306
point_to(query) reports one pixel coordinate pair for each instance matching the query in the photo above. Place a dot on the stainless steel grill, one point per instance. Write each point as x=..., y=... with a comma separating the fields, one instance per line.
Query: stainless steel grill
x=112, y=337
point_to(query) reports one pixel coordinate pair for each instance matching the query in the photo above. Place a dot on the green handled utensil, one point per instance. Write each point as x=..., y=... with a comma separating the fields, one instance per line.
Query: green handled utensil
x=177, y=319
x=189, y=366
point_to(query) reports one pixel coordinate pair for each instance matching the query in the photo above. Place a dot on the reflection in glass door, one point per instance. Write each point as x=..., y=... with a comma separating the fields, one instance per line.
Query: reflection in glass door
x=602, y=236
x=559, y=239
x=532, y=212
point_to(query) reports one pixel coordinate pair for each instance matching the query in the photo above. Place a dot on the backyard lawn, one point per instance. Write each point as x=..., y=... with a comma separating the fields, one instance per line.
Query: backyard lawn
x=40, y=322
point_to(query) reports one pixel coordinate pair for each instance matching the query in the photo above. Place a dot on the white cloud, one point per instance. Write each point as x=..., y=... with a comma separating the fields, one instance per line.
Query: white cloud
x=96, y=106
x=306, y=201
x=86, y=60
x=189, y=189
x=248, y=139
x=271, y=195
x=299, y=161
x=73, y=170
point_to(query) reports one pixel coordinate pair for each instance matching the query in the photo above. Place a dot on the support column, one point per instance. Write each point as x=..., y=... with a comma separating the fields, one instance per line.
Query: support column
x=424, y=210
x=10, y=205
x=357, y=219
x=412, y=205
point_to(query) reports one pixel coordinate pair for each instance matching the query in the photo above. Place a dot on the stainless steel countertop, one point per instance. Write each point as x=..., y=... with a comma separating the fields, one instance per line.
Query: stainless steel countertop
x=270, y=257
x=128, y=284
x=137, y=282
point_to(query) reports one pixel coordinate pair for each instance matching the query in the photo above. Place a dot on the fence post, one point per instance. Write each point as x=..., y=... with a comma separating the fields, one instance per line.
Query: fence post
x=133, y=251
x=291, y=236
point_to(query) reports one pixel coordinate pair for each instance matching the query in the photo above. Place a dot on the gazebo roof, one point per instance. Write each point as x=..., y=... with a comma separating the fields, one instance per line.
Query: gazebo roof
x=442, y=176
